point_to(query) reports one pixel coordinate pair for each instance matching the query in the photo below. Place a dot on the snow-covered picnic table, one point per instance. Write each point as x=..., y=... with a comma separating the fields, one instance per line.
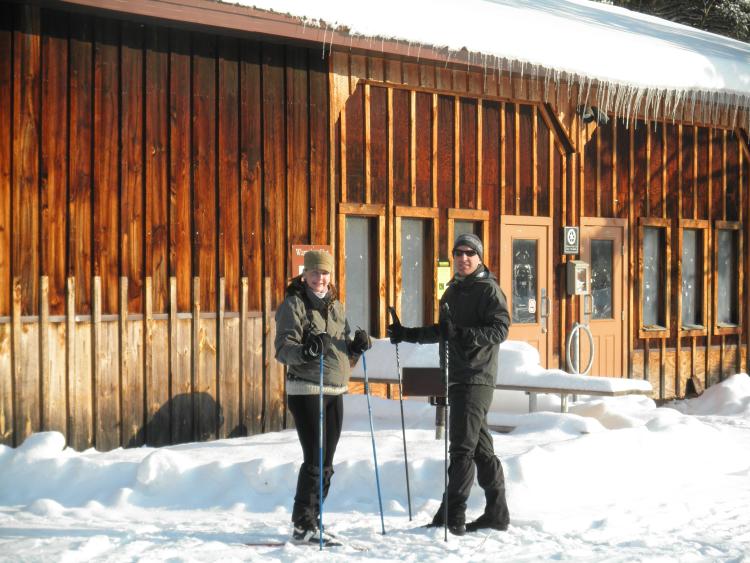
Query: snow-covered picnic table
x=519, y=370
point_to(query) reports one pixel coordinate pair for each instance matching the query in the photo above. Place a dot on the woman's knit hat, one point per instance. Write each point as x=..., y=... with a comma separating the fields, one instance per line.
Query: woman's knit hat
x=318, y=260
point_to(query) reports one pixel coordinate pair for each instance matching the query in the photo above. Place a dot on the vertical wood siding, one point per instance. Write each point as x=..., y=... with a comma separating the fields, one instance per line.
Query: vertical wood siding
x=153, y=179
x=149, y=179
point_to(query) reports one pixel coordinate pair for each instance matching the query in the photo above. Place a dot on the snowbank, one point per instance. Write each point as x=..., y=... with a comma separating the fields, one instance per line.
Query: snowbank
x=518, y=364
x=662, y=482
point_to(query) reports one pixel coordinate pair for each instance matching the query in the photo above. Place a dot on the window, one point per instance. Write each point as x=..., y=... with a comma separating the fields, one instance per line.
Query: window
x=654, y=274
x=359, y=265
x=525, y=274
x=475, y=221
x=463, y=227
x=416, y=229
x=728, y=260
x=693, y=277
x=414, y=271
x=602, y=252
x=361, y=231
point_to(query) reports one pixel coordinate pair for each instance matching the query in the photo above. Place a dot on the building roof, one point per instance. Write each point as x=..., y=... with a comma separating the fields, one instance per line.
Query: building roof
x=625, y=62
x=634, y=59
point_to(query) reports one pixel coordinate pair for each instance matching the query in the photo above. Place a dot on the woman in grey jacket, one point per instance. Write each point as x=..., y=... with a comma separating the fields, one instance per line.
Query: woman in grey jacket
x=311, y=323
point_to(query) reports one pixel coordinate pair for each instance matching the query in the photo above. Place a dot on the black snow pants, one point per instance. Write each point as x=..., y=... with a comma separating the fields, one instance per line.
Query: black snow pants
x=470, y=445
x=306, y=413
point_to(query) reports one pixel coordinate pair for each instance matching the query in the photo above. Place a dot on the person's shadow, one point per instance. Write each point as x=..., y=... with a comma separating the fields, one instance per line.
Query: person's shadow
x=185, y=418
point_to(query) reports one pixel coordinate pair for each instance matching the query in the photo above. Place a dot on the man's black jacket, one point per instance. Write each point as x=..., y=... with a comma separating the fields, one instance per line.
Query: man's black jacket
x=480, y=312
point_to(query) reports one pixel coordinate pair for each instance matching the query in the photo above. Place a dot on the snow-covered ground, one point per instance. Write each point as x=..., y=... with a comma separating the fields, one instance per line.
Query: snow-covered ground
x=613, y=480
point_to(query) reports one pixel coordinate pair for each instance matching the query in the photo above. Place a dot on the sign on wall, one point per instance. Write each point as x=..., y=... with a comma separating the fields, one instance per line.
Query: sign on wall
x=570, y=240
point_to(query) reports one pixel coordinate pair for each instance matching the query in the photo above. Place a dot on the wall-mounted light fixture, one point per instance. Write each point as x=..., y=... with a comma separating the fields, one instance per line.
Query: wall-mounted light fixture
x=592, y=113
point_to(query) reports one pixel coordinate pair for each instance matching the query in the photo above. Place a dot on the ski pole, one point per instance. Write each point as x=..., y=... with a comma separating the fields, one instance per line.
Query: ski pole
x=320, y=458
x=446, y=311
x=372, y=434
x=395, y=320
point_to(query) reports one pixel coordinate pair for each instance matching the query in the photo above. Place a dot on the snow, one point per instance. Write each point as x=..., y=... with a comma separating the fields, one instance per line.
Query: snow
x=616, y=479
x=518, y=364
x=633, y=57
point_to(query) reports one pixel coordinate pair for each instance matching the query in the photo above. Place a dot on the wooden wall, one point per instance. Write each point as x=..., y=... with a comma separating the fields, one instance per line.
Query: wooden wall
x=135, y=152
x=673, y=172
x=153, y=179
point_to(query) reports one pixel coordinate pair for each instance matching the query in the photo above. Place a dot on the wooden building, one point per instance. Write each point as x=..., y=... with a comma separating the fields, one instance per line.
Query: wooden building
x=159, y=159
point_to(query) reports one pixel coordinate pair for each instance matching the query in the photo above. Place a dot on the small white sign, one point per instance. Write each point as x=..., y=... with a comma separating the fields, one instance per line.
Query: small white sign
x=532, y=305
x=570, y=240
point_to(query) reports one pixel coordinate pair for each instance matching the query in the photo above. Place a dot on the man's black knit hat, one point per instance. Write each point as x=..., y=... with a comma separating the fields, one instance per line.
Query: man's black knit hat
x=472, y=241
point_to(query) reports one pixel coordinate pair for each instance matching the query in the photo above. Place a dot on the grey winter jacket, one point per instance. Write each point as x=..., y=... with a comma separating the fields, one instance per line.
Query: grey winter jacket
x=480, y=312
x=303, y=312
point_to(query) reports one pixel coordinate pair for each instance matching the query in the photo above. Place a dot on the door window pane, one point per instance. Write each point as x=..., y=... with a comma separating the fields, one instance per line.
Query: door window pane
x=413, y=271
x=601, y=278
x=727, y=284
x=692, y=279
x=653, y=278
x=359, y=264
x=464, y=227
x=524, y=281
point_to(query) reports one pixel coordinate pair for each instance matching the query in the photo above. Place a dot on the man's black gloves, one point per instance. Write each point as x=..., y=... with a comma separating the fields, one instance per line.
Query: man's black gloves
x=399, y=333
x=360, y=343
x=448, y=329
x=395, y=332
x=315, y=345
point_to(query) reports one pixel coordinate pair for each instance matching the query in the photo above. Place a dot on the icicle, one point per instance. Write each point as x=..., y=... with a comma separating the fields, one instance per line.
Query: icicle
x=419, y=51
x=325, y=33
x=448, y=58
x=484, y=73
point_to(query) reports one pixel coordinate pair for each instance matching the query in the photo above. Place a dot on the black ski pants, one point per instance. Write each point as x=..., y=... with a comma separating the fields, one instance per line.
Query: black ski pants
x=470, y=446
x=306, y=412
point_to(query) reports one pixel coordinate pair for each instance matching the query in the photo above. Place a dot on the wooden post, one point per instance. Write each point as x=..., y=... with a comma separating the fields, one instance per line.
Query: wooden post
x=44, y=367
x=243, y=411
x=222, y=396
x=196, y=353
x=96, y=343
x=70, y=351
x=267, y=352
x=15, y=343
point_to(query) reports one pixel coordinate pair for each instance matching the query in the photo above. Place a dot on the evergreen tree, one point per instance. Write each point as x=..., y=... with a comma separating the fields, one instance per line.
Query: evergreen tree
x=725, y=17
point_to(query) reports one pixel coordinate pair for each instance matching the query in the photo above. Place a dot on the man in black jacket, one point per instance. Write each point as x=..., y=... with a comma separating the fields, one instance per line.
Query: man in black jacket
x=476, y=324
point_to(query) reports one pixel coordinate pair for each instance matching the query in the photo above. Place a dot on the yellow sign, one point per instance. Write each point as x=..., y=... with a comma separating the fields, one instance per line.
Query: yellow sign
x=444, y=275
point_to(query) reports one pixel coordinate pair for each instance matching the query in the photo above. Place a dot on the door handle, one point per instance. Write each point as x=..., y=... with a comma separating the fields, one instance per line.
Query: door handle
x=545, y=305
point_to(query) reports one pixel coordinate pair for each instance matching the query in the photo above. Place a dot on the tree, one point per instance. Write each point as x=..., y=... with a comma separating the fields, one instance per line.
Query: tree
x=725, y=17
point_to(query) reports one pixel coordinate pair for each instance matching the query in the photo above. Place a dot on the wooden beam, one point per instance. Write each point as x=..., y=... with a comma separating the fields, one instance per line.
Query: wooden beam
x=434, y=154
x=648, y=171
x=517, y=141
x=389, y=198
x=456, y=151
x=598, y=172
x=413, y=147
x=342, y=136
x=368, y=147
x=534, y=162
x=664, y=170
x=479, y=159
x=501, y=156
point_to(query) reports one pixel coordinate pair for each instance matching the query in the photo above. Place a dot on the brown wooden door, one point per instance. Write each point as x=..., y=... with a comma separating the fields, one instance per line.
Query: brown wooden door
x=602, y=246
x=526, y=279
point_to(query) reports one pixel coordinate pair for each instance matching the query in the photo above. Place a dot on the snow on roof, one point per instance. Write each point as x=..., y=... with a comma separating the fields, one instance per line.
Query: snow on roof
x=635, y=59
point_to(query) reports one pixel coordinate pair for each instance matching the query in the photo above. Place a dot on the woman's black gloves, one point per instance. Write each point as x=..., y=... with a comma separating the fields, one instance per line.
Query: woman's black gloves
x=360, y=343
x=315, y=345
